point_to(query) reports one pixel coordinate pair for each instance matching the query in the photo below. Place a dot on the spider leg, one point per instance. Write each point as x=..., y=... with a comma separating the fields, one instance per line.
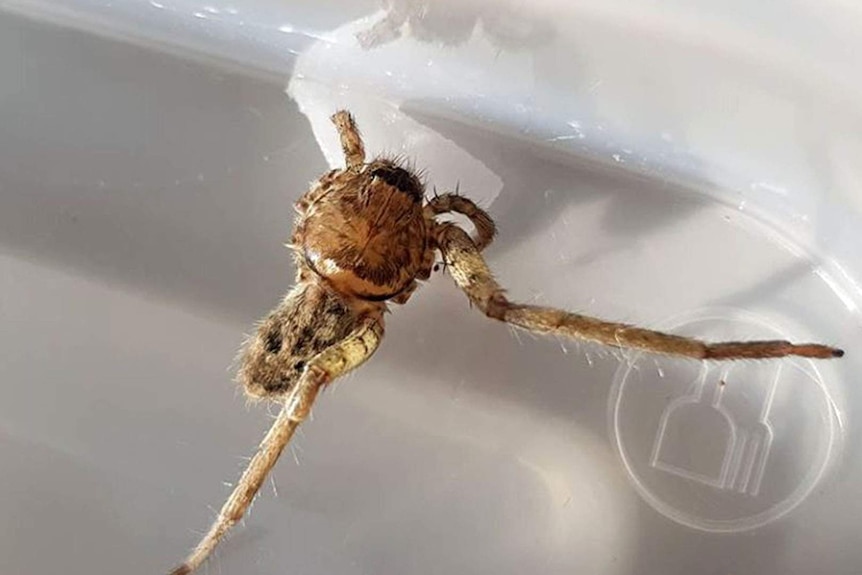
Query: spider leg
x=351, y=140
x=423, y=273
x=473, y=276
x=404, y=296
x=325, y=367
x=485, y=228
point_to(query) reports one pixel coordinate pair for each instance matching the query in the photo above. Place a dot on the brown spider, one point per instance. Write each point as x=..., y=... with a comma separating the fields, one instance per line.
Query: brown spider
x=363, y=237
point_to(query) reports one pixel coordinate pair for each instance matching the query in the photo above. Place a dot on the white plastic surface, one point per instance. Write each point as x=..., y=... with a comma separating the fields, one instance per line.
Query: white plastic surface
x=689, y=165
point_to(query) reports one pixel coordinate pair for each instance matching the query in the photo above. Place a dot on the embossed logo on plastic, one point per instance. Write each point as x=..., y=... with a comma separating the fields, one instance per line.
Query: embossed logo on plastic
x=723, y=446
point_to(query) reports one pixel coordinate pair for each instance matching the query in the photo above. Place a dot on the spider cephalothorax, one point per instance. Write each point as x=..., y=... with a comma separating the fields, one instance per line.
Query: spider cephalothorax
x=364, y=236
x=363, y=230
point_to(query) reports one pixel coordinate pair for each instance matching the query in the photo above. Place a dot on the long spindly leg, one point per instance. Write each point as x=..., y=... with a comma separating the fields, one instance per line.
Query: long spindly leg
x=472, y=275
x=351, y=140
x=485, y=228
x=325, y=367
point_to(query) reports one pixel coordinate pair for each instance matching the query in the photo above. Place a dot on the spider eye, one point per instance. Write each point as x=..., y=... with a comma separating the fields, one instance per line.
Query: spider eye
x=299, y=365
x=400, y=179
x=274, y=341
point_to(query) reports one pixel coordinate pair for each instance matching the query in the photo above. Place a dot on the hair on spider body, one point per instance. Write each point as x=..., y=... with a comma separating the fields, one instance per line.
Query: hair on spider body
x=309, y=320
x=400, y=179
x=364, y=236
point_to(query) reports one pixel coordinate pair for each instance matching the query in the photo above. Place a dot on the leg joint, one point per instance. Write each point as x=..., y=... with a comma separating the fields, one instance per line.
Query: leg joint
x=497, y=306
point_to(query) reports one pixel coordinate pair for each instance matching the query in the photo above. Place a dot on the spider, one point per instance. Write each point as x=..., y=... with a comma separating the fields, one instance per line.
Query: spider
x=363, y=237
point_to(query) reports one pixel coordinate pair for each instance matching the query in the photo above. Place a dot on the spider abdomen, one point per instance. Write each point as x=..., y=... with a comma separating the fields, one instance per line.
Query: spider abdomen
x=309, y=320
x=364, y=231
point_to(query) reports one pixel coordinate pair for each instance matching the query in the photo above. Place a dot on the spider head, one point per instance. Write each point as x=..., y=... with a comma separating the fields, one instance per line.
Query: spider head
x=389, y=172
x=363, y=230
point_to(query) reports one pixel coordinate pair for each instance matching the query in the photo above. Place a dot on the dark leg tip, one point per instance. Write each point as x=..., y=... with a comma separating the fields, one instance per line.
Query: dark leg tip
x=837, y=353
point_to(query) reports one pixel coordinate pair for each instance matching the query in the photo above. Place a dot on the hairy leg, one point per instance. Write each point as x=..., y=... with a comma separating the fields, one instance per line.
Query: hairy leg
x=473, y=276
x=445, y=203
x=351, y=140
x=324, y=368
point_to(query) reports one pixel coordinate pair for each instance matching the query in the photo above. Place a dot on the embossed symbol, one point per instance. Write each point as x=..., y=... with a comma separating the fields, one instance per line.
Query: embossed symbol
x=743, y=461
x=723, y=447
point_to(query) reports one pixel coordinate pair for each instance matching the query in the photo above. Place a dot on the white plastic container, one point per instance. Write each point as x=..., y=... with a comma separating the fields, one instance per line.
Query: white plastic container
x=694, y=166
